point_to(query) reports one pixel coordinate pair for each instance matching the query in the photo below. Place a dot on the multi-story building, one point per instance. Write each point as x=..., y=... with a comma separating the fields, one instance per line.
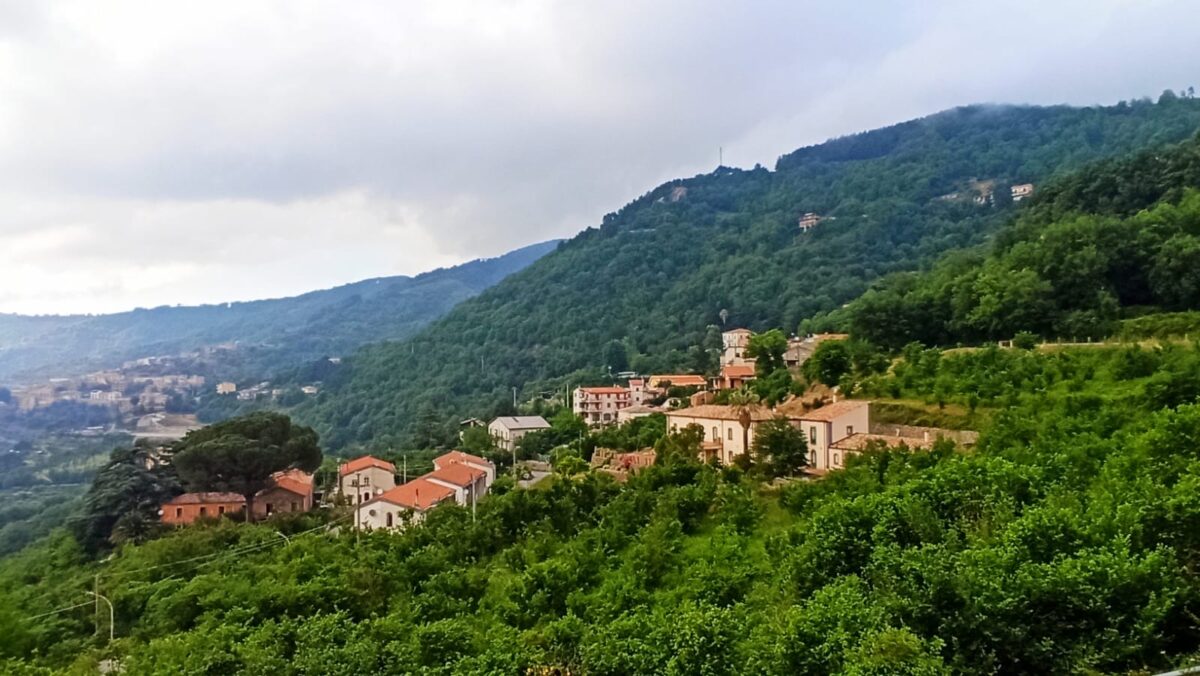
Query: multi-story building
x=362, y=479
x=600, y=405
x=824, y=427
x=723, y=436
x=507, y=430
x=734, y=344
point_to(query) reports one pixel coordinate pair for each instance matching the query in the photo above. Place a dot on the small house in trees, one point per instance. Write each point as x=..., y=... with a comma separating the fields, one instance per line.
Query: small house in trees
x=1021, y=191
x=734, y=376
x=809, y=221
x=289, y=492
x=472, y=461
x=403, y=504
x=468, y=483
x=663, y=381
x=507, y=430
x=825, y=426
x=191, y=507
x=362, y=479
x=722, y=437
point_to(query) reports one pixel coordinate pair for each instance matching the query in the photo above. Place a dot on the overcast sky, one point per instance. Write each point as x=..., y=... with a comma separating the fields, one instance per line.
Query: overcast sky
x=183, y=152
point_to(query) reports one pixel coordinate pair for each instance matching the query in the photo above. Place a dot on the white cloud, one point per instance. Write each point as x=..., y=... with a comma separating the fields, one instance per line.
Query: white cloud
x=161, y=152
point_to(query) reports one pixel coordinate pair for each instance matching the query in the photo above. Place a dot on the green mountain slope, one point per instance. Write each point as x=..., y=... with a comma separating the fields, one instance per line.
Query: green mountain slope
x=1120, y=238
x=320, y=323
x=656, y=274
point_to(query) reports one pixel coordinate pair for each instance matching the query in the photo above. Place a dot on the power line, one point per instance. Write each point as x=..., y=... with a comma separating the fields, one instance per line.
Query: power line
x=60, y=610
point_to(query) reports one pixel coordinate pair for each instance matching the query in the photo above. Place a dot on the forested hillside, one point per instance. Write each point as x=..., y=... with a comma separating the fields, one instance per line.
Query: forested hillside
x=321, y=323
x=1118, y=239
x=643, y=289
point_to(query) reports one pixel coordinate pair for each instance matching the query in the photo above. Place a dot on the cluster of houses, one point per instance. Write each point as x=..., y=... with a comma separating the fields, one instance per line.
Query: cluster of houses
x=287, y=492
x=369, y=484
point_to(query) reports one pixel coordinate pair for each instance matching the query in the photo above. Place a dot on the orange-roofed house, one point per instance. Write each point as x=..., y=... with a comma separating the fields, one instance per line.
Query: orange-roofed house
x=190, y=507
x=600, y=405
x=362, y=479
x=408, y=503
x=289, y=492
x=658, y=382
x=825, y=426
x=473, y=461
x=468, y=483
x=733, y=376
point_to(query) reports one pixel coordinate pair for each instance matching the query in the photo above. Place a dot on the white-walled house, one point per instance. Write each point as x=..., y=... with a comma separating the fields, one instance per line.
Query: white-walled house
x=509, y=429
x=403, y=504
x=469, y=484
x=823, y=427
x=734, y=344
x=472, y=461
x=365, y=478
x=723, y=433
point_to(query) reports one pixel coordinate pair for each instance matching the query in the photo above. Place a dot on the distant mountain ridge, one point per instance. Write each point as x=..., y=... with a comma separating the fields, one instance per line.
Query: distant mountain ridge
x=646, y=289
x=315, y=324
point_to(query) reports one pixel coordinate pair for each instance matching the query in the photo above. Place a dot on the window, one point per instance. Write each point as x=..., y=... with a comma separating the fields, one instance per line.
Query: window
x=836, y=462
x=849, y=430
x=812, y=458
x=366, y=481
x=812, y=435
x=365, y=497
x=178, y=512
x=203, y=511
x=270, y=508
x=729, y=433
x=716, y=434
x=221, y=509
x=389, y=520
x=295, y=507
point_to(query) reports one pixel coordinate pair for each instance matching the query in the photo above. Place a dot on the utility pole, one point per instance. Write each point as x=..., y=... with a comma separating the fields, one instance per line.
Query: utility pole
x=514, y=399
x=111, y=614
x=405, y=475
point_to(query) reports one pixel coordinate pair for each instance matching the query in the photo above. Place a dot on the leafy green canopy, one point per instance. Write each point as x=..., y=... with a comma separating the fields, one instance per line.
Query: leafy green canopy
x=657, y=273
x=1120, y=236
x=240, y=454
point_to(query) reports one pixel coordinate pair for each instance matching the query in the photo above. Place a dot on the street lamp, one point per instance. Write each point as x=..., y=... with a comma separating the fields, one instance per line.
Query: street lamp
x=111, y=614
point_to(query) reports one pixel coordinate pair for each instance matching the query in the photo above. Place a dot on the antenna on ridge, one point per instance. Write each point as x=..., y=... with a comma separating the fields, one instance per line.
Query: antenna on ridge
x=720, y=156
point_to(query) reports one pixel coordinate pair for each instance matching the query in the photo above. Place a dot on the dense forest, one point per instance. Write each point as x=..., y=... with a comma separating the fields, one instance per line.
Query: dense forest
x=1065, y=542
x=1119, y=240
x=281, y=332
x=644, y=290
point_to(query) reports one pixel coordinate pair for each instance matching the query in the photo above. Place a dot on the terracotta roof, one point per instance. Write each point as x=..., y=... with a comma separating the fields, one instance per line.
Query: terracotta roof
x=739, y=331
x=460, y=457
x=359, y=464
x=859, y=441
x=417, y=494
x=636, y=382
x=719, y=412
x=737, y=370
x=291, y=485
x=830, y=412
x=679, y=380
x=604, y=390
x=206, y=498
x=457, y=474
x=295, y=475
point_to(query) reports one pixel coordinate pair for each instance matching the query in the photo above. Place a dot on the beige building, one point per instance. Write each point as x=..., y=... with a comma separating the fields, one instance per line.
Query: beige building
x=508, y=430
x=825, y=426
x=226, y=388
x=723, y=434
x=600, y=405
x=1021, y=191
x=365, y=478
x=733, y=346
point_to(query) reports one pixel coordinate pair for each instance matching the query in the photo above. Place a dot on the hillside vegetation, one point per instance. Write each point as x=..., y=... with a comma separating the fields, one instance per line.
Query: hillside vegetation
x=290, y=330
x=1121, y=238
x=1065, y=542
x=644, y=289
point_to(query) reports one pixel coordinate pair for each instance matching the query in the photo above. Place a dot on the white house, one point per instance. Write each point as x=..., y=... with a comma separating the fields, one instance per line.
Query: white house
x=723, y=433
x=468, y=483
x=734, y=344
x=472, y=461
x=365, y=478
x=509, y=429
x=600, y=405
x=402, y=504
x=825, y=426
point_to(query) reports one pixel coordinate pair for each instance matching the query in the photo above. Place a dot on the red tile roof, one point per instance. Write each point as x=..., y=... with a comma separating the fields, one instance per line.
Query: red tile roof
x=830, y=412
x=417, y=494
x=207, y=498
x=678, y=380
x=460, y=457
x=737, y=370
x=719, y=412
x=457, y=474
x=367, y=461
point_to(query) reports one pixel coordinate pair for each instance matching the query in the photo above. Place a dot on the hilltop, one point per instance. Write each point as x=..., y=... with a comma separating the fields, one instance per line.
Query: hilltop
x=290, y=330
x=646, y=289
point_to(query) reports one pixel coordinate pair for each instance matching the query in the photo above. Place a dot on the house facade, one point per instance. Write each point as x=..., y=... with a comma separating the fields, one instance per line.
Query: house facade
x=473, y=461
x=468, y=483
x=600, y=405
x=825, y=426
x=289, y=492
x=191, y=507
x=402, y=505
x=734, y=344
x=722, y=431
x=363, y=479
x=734, y=376
x=508, y=430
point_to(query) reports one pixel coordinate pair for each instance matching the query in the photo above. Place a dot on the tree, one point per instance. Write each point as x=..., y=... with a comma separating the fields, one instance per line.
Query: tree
x=744, y=402
x=239, y=455
x=828, y=363
x=124, y=498
x=477, y=440
x=615, y=356
x=767, y=349
x=780, y=447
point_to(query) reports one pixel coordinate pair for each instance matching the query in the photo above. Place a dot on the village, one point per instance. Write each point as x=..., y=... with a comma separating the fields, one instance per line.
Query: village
x=382, y=497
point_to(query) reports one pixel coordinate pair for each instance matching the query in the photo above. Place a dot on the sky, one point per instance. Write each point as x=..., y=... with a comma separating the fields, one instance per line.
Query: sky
x=161, y=153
